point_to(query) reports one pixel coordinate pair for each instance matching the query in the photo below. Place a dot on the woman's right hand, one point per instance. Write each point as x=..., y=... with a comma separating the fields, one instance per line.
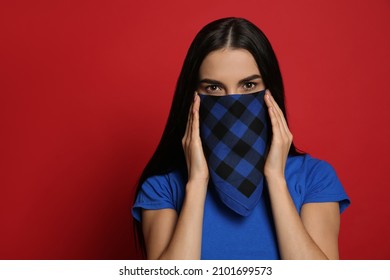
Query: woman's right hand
x=192, y=146
x=176, y=235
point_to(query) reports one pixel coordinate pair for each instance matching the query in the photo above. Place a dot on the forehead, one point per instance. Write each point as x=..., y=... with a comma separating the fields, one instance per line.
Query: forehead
x=228, y=64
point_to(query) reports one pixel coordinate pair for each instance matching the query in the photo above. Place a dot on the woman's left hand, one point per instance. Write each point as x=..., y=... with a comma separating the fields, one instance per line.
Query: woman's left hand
x=281, y=140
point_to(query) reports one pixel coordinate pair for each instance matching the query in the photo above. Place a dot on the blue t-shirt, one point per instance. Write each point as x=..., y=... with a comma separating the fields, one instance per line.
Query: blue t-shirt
x=227, y=235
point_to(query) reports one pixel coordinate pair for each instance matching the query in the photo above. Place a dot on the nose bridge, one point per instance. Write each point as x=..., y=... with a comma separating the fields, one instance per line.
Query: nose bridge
x=229, y=92
x=231, y=89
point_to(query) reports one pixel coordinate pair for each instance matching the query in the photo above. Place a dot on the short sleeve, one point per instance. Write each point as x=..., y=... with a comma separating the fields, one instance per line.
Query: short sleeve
x=323, y=185
x=155, y=193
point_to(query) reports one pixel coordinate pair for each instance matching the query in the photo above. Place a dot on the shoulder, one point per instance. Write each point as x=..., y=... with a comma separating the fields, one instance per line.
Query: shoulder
x=160, y=192
x=318, y=171
x=309, y=166
x=305, y=160
x=316, y=179
x=169, y=182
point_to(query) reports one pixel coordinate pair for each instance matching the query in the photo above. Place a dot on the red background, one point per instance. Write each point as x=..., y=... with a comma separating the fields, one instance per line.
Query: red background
x=85, y=89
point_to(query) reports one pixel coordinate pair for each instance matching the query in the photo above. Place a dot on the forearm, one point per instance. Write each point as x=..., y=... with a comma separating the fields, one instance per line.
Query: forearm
x=187, y=237
x=293, y=239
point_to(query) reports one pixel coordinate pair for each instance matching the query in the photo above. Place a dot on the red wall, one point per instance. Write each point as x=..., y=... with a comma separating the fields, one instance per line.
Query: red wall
x=85, y=89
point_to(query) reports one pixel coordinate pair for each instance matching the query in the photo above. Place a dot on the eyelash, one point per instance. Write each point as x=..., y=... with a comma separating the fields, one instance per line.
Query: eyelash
x=253, y=85
x=208, y=88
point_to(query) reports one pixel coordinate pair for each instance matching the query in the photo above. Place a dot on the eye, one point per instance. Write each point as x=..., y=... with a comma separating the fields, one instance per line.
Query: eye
x=249, y=85
x=213, y=88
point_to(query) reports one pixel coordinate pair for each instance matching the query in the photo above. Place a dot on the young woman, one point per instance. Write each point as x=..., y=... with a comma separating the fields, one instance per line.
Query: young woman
x=226, y=181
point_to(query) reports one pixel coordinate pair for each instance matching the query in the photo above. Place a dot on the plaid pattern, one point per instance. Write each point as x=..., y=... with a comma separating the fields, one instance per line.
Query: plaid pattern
x=234, y=133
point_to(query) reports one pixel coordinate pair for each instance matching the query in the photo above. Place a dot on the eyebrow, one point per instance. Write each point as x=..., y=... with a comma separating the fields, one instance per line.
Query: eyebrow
x=210, y=81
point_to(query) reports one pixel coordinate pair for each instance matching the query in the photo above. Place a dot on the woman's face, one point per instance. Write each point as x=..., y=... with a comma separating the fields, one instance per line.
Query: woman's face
x=229, y=71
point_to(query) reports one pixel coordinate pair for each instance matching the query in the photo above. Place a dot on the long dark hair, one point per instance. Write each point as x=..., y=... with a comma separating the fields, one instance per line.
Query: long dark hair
x=236, y=33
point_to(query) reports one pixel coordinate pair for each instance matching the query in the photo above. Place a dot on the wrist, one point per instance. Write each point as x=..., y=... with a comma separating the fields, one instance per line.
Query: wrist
x=273, y=174
x=197, y=184
x=277, y=179
x=198, y=180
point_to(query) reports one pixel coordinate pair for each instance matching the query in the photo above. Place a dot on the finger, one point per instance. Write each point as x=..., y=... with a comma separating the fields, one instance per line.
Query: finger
x=273, y=102
x=272, y=110
x=195, y=121
x=279, y=114
x=191, y=119
x=279, y=134
x=274, y=122
x=188, y=121
x=186, y=134
x=267, y=98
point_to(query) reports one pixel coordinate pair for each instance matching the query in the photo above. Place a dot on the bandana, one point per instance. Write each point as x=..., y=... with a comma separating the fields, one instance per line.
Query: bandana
x=233, y=130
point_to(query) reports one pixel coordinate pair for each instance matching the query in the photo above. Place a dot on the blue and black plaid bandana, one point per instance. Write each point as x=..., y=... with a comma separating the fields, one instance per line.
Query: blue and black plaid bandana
x=233, y=131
